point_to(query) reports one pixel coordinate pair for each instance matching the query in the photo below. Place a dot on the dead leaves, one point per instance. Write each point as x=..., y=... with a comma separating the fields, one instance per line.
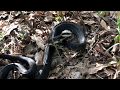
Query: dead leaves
x=48, y=17
x=104, y=25
x=39, y=41
x=100, y=50
x=99, y=44
x=89, y=22
x=39, y=57
x=2, y=24
x=111, y=69
x=99, y=67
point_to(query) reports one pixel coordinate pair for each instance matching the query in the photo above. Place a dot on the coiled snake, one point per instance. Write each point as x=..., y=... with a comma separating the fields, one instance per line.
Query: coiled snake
x=33, y=71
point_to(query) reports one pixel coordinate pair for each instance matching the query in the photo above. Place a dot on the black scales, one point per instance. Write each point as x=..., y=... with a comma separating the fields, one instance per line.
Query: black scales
x=76, y=40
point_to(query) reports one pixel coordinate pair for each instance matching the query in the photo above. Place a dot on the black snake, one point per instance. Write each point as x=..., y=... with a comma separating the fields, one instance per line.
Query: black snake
x=33, y=71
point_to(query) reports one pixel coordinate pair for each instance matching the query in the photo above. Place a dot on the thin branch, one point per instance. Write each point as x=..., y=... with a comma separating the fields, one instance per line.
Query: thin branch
x=112, y=47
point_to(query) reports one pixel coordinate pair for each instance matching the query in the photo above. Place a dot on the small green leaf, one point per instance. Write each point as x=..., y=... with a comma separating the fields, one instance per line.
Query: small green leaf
x=101, y=13
x=58, y=18
x=21, y=36
x=1, y=36
x=118, y=29
x=117, y=39
x=118, y=22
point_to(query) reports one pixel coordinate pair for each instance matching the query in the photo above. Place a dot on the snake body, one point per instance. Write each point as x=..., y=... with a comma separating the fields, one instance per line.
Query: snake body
x=76, y=29
x=56, y=31
x=29, y=73
x=49, y=50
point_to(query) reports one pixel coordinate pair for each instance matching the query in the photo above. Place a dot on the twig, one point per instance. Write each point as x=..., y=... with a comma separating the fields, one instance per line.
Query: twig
x=99, y=76
x=112, y=47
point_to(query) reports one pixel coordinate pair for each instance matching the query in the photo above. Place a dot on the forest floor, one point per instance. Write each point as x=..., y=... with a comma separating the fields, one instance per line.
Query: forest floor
x=23, y=32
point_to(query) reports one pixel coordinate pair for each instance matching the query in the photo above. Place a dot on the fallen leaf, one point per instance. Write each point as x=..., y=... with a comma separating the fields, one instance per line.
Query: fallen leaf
x=109, y=72
x=96, y=16
x=103, y=24
x=112, y=62
x=28, y=49
x=75, y=54
x=116, y=74
x=7, y=29
x=74, y=75
x=3, y=15
x=89, y=22
x=48, y=17
x=114, y=49
x=2, y=24
x=39, y=57
x=118, y=14
x=105, y=33
x=39, y=41
x=39, y=31
x=97, y=68
x=31, y=16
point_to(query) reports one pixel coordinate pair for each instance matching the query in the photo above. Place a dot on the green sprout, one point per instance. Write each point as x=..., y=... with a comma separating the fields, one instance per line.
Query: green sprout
x=117, y=38
x=1, y=36
x=101, y=13
x=58, y=18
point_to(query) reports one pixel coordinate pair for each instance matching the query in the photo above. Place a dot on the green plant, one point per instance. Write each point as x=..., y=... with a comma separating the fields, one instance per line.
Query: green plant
x=101, y=13
x=117, y=38
x=58, y=18
x=1, y=36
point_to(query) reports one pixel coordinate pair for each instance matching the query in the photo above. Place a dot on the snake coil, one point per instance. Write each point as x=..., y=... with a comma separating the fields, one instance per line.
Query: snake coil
x=23, y=60
x=49, y=50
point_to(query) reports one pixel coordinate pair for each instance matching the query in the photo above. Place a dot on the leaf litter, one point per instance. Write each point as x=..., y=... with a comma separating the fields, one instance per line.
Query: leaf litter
x=27, y=32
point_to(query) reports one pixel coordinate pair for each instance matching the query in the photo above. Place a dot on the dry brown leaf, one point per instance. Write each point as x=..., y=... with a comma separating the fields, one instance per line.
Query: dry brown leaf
x=109, y=72
x=112, y=63
x=39, y=31
x=117, y=71
x=31, y=16
x=99, y=48
x=48, y=17
x=105, y=33
x=74, y=75
x=67, y=70
x=28, y=49
x=53, y=12
x=103, y=24
x=118, y=14
x=114, y=49
x=7, y=29
x=75, y=54
x=96, y=16
x=99, y=67
x=39, y=41
x=89, y=22
x=39, y=57
x=2, y=24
